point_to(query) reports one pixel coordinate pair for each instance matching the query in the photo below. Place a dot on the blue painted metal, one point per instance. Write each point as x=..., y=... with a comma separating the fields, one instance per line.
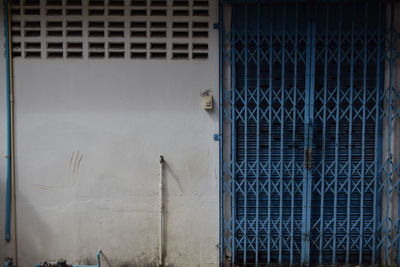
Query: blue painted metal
x=8, y=262
x=337, y=134
x=349, y=144
x=233, y=163
x=8, y=123
x=305, y=179
x=221, y=134
x=377, y=214
x=257, y=119
x=320, y=224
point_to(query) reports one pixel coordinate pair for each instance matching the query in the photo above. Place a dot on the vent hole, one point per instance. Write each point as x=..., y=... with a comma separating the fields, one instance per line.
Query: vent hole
x=158, y=46
x=138, y=12
x=32, y=33
x=54, y=12
x=158, y=12
x=116, y=34
x=74, y=12
x=181, y=25
x=32, y=24
x=200, y=12
x=158, y=34
x=181, y=3
x=180, y=34
x=74, y=45
x=74, y=55
x=138, y=3
x=138, y=24
x=120, y=46
x=96, y=12
x=138, y=34
x=199, y=3
x=200, y=55
x=158, y=25
x=54, y=54
x=116, y=24
x=138, y=55
x=180, y=46
x=96, y=24
x=116, y=54
x=74, y=24
x=32, y=45
x=54, y=33
x=32, y=54
x=55, y=45
x=74, y=33
x=200, y=25
x=180, y=55
x=200, y=34
x=158, y=55
x=94, y=46
x=200, y=46
x=180, y=12
x=116, y=12
x=96, y=33
x=96, y=54
x=138, y=46
x=54, y=24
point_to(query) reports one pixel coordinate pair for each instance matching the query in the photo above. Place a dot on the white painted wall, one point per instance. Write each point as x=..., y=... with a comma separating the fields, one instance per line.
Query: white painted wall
x=89, y=134
x=4, y=246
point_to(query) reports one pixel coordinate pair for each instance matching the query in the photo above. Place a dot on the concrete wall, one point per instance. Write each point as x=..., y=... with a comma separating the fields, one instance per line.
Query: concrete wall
x=89, y=134
x=4, y=248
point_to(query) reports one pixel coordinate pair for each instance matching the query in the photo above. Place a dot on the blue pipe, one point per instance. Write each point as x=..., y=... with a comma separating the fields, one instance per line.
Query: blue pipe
x=8, y=122
x=8, y=262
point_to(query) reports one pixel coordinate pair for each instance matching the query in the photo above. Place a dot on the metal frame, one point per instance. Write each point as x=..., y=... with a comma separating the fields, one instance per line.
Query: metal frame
x=343, y=174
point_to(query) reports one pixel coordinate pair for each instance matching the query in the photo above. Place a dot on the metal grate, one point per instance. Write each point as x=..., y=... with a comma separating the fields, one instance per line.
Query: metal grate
x=105, y=29
x=309, y=104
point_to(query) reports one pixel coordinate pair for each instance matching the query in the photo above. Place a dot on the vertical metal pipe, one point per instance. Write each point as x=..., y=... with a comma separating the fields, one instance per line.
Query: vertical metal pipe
x=365, y=60
x=378, y=143
x=233, y=125
x=246, y=92
x=161, y=229
x=311, y=129
x=308, y=132
x=270, y=106
x=349, y=145
x=258, y=137
x=282, y=123
x=321, y=226
x=294, y=135
x=9, y=123
x=221, y=136
x=337, y=136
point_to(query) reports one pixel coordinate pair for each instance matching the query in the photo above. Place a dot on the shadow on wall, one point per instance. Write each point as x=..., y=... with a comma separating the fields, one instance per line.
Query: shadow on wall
x=36, y=240
x=33, y=244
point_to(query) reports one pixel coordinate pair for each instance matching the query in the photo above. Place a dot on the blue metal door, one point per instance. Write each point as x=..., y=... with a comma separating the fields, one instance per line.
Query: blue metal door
x=308, y=105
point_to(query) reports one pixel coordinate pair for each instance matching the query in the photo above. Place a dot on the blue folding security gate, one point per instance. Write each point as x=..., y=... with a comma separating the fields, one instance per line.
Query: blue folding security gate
x=309, y=111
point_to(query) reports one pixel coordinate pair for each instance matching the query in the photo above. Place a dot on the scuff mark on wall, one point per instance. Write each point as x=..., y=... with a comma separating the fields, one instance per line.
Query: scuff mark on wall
x=74, y=163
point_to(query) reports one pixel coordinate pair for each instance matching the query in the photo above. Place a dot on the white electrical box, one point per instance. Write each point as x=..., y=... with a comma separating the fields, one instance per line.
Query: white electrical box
x=207, y=99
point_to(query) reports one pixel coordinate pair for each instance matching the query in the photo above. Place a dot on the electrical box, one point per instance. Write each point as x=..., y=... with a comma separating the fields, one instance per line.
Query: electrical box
x=207, y=99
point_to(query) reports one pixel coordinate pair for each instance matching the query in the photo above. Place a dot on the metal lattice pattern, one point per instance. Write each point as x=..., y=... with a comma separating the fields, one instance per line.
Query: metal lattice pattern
x=111, y=29
x=309, y=115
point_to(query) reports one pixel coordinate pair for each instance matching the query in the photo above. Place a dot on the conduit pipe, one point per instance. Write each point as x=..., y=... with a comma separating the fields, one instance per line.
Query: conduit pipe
x=161, y=241
x=10, y=178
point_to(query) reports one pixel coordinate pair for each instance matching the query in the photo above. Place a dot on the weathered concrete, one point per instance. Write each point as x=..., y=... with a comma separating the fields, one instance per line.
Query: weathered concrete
x=88, y=138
